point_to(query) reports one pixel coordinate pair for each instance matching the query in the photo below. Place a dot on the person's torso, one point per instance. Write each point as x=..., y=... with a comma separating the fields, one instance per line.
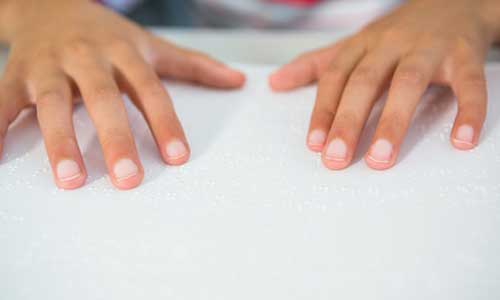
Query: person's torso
x=304, y=14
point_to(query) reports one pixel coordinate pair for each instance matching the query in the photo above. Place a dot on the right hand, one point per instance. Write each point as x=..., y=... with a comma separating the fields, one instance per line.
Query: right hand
x=64, y=48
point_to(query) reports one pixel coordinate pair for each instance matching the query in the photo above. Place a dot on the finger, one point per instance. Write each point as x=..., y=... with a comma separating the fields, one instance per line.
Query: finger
x=364, y=87
x=329, y=92
x=149, y=95
x=411, y=79
x=188, y=65
x=104, y=103
x=305, y=69
x=52, y=95
x=13, y=98
x=469, y=85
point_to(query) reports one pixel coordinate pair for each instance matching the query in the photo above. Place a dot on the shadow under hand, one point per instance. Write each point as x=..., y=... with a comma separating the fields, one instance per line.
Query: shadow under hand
x=493, y=116
x=369, y=130
x=22, y=137
x=432, y=108
x=94, y=160
x=205, y=112
x=148, y=153
x=434, y=104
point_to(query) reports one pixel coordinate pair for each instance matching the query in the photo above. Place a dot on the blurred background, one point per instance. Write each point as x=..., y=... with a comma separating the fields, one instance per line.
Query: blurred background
x=273, y=14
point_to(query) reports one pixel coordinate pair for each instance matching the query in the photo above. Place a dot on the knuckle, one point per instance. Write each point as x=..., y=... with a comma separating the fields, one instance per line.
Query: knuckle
x=465, y=44
x=119, y=45
x=44, y=54
x=51, y=97
x=112, y=137
x=410, y=75
x=333, y=76
x=196, y=56
x=473, y=78
x=472, y=108
x=153, y=87
x=78, y=47
x=364, y=76
x=392, y=34
x=323, y=107
x=60, y=137
x=103, y=92
x=346, y=119
x=394, y=119
x=393, y=122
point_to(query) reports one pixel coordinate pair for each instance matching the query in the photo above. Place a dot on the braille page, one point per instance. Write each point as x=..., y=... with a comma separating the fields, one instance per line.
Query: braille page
x=254, y=214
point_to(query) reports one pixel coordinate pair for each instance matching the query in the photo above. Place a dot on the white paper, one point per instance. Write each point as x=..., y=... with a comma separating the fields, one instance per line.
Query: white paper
x=254, y=215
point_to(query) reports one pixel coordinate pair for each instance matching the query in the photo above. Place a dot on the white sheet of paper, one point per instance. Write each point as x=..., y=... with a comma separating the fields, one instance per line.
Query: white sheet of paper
x=255, y=215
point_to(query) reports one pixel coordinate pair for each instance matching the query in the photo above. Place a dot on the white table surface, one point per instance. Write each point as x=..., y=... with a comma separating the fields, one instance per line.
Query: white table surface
x=254, y=215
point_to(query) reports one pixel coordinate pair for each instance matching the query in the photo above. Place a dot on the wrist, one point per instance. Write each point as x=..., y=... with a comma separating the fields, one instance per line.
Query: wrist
x=15, y=15
x=6, y=10
x=491, y=17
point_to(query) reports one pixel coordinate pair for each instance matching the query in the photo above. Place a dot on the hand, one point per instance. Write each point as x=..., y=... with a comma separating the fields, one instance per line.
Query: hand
x=62, y=48
x=422, y=42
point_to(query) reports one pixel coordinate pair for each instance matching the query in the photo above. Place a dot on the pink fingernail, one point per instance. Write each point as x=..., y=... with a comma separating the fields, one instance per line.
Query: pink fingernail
x=465, y=134
x=176, y=149
x=337, y=150
x=381, y=151
x=124, y=169
x=317, y=137
x=68, y=170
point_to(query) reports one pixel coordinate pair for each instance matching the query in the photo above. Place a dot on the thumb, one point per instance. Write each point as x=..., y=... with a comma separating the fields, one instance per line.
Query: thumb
x=188, y=65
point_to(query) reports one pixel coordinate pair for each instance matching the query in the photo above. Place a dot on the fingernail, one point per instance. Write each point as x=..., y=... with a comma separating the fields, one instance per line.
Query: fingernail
x=317, y=137
x=337, y=150
x=68, y=170
x=465, y=134
x=381, y=151
x=125, y=168
x=176, y=149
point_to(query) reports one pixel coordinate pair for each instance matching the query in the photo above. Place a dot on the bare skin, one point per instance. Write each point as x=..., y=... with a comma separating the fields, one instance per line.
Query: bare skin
x=60, y=49
x=423, y=42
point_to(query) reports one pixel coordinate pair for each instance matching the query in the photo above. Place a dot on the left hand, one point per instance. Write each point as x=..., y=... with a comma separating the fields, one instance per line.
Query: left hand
x=422, y=42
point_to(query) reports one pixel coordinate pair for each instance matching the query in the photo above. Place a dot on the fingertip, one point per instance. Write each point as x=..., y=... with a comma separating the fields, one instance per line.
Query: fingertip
x=224, y=78
x=464, y=138
x=381, y=155
x=315, y=148
x=377, y=165
x=178, y=161
x=69, y=174
x=334, y=164
x=460, y=145
x=277, y=82
x=126, y=174
x=336, y=155
x=176, y=153
x=129, y=183
x=71, y=184
x=316, y=140
x=238, y=78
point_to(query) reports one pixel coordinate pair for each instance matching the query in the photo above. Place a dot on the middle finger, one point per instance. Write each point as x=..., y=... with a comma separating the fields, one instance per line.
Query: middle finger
x=365, y=85
x=104, y=103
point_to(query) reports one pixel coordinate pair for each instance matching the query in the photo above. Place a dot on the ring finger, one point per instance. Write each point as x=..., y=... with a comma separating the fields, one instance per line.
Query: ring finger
x=411, y=79
x=52, y=93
